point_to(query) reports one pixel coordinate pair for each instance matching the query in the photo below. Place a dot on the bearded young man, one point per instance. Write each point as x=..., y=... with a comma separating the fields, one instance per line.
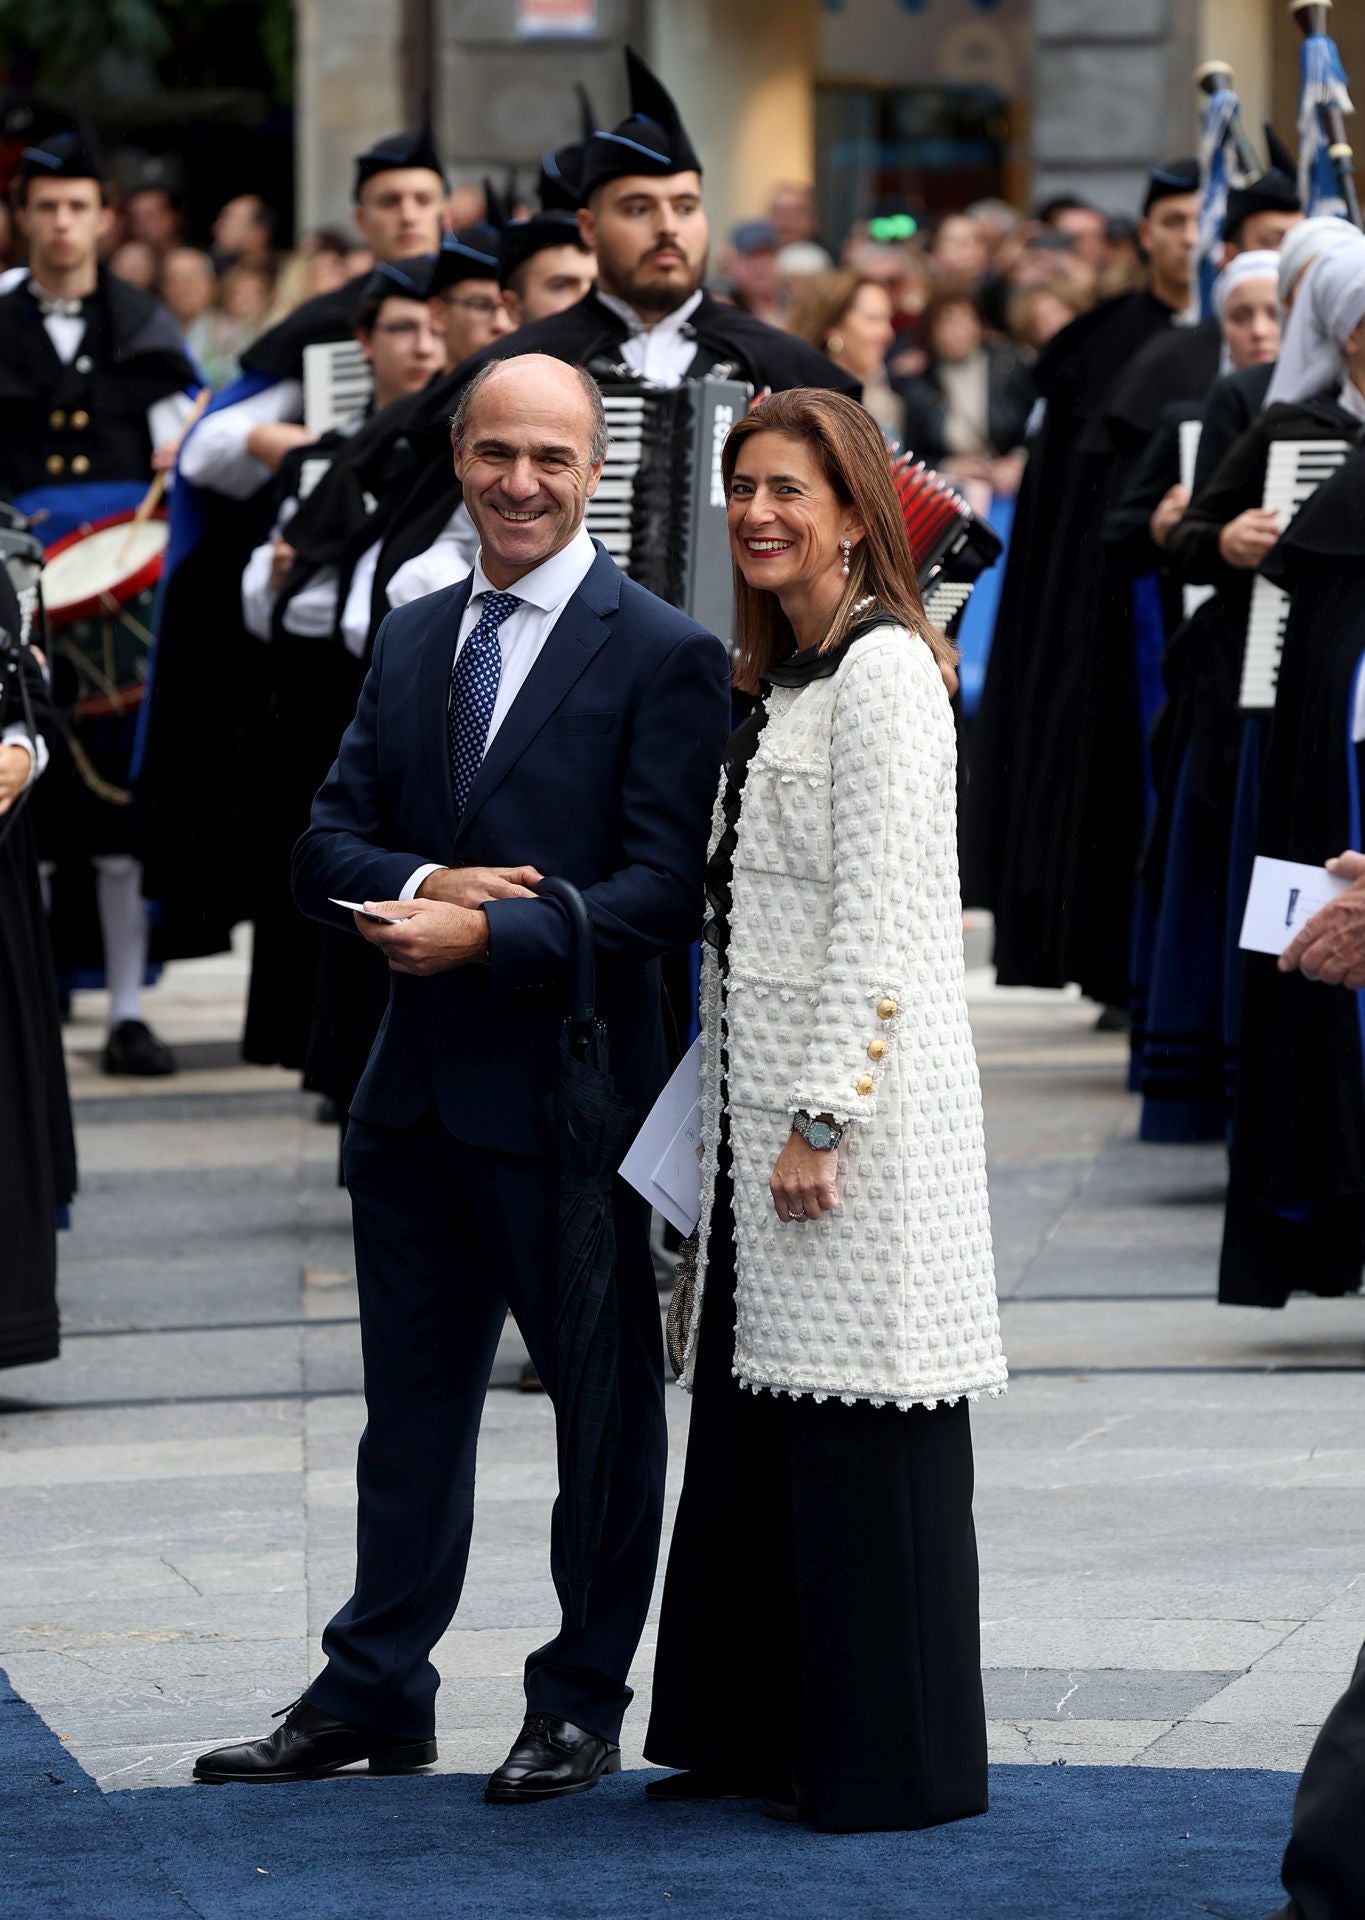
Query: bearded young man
x=642, y=214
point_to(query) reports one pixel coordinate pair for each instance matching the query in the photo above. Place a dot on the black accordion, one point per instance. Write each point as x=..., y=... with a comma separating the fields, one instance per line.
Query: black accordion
x=659, y=509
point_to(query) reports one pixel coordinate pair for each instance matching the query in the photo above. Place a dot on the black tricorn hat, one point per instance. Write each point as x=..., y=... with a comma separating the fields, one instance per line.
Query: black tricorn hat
x=410, y=279
x=1177, y=176
x=555, y=227
x=71, y=155
x=651, y=139
x=399, y=150
x=1273, y=192
x=561, y=171
x=1281, y=158
x=472, y=252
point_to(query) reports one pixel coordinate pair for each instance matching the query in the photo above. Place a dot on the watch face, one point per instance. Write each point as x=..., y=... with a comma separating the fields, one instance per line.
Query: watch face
x=820, y=1135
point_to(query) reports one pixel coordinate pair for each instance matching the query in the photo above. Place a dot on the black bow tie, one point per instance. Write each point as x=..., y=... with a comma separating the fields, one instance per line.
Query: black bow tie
x=49, y=304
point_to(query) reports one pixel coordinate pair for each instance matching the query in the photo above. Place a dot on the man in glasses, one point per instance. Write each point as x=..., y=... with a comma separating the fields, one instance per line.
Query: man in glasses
x=466, y=292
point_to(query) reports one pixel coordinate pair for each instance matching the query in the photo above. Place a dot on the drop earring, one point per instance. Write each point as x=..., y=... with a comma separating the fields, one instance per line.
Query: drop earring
x=847, y=546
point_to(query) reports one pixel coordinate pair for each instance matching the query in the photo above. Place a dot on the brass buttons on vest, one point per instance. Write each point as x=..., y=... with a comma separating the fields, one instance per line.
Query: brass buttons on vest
x=57, y=420
x=55, y=463
x=81, y=463
x=80, y=420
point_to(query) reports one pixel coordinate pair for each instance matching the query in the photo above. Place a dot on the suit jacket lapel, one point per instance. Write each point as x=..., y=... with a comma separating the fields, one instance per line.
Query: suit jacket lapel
x=438, y=658
x=577, y=634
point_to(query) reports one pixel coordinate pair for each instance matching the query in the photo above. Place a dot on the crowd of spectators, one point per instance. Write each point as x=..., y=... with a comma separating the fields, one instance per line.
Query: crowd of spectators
x=939, y=319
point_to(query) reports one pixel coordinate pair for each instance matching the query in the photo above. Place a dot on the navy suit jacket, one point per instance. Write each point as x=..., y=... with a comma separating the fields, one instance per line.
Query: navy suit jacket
x=603, y=773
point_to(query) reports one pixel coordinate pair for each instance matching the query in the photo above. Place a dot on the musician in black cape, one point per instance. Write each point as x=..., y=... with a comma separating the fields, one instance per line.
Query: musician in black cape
x=1054, y=806
x=1190, y=720
x=648, y=318
x=1296, y=1193
x=94, y=385
x=313, y=680
x=37, y=1147
x=202, y=726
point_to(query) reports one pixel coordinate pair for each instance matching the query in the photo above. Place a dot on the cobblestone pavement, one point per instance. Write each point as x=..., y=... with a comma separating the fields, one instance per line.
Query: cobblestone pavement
x=1168, y=1499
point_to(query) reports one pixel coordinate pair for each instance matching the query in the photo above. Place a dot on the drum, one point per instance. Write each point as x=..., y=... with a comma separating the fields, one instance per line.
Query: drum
x=99, y=584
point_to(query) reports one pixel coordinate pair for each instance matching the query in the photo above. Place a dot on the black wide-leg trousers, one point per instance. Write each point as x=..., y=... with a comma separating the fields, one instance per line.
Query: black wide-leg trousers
x=448, y=1237
x=820, y=1624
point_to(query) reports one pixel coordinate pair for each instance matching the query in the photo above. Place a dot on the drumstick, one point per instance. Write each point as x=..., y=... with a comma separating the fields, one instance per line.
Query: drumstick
x=151, y=500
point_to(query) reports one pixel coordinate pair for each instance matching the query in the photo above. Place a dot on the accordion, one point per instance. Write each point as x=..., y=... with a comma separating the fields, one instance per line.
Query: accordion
x=951, y=546
x=337, y=384
x=659, y=509
x=1294, y=470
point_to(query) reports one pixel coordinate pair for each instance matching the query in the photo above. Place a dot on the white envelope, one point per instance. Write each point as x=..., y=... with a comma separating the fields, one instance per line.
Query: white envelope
x=664, y=1160
x=1284, y=896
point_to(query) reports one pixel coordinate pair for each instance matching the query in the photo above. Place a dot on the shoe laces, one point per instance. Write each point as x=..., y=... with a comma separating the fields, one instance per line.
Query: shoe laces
x=287, y=1710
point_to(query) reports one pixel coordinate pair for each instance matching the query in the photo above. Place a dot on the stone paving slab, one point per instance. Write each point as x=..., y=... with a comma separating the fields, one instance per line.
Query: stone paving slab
x=1171, y=1566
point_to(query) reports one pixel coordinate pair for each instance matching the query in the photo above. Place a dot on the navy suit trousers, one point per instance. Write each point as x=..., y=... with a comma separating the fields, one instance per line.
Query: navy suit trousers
x=448, y=1238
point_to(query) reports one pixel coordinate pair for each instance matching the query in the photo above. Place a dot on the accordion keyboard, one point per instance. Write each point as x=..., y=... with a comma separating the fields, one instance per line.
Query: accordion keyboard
x=337, y=384
x=1294, y=470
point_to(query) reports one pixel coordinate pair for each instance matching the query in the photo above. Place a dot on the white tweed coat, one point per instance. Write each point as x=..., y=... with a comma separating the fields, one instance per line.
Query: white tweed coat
x=844, y=994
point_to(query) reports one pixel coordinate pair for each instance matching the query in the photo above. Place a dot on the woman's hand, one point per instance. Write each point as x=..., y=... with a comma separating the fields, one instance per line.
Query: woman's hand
x=805, y=1181
x=1169, y=509
x=1245, y=541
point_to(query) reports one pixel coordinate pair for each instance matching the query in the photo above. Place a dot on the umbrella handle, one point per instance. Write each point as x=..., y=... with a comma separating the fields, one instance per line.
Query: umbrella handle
x=584, y=944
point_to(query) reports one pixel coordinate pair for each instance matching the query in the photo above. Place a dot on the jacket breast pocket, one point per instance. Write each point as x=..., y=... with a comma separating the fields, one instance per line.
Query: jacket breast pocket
x=785, y=821
x=562, y=724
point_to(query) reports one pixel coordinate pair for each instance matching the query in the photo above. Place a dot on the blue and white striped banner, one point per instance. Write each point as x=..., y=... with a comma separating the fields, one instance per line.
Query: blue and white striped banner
x=1323, y=84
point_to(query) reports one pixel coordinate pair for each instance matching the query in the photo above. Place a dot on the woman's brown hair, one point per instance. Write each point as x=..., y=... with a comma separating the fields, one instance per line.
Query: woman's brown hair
x=822, y=302
x=848, y=445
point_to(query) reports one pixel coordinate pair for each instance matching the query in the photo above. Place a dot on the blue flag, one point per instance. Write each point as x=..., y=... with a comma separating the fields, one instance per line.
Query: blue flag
x=1218, y=170
x=1323, y=83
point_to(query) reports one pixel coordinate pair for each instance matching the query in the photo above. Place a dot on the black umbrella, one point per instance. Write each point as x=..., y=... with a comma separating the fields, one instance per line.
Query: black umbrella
x=593, y=1127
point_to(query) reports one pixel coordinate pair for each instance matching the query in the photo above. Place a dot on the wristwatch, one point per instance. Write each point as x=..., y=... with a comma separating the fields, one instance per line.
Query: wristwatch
x=823, y=1132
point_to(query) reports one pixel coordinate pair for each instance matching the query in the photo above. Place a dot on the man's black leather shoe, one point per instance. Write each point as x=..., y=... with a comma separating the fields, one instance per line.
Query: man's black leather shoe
x=550, y=1758
x=308, y=1745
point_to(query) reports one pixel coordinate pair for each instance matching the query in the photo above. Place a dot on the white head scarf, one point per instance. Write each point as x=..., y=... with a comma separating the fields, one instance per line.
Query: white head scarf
x=1328, y=307
x=1260, y=264
x=1305, y=240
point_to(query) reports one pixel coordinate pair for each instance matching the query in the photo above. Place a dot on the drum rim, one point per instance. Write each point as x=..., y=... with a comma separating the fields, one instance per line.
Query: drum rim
x=133, y=583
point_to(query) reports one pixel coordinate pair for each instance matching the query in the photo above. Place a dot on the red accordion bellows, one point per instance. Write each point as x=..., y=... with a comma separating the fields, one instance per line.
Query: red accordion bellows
x=933, y=511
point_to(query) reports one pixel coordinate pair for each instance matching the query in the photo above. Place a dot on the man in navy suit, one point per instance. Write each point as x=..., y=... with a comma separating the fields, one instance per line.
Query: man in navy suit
x=546, y=716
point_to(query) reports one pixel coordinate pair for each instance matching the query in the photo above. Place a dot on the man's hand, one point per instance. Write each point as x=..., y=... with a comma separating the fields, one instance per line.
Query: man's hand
x=282, y=558
x=1246, y=540
x=15, y=765
x=471, y=886
x=1169, y=509
x=432, y=937
x=805, y=1181
x=165, y=457
x=1331, y=948
x=270, y=440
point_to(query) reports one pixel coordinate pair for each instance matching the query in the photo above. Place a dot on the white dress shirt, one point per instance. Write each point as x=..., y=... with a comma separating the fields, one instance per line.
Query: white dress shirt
x=445, y=563
x=34, y=746
x=544, y=594
x=660, y=354
x=215, y=454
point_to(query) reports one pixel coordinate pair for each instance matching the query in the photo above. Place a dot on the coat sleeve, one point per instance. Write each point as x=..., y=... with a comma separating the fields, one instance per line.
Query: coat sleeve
x=1239, y=482
x=344, y=852
x=892, y=759
x=652, y=903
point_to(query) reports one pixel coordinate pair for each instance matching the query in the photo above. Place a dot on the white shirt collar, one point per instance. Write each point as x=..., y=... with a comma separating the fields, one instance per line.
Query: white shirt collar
x=667, y=323
x=550, y=584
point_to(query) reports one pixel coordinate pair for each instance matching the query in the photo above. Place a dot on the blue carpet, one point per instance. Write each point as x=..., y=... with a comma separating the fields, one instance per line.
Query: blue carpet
x=1060, y=1843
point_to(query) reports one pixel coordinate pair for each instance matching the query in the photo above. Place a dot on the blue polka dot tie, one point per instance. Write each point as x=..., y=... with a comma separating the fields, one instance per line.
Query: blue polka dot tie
x=474, y=693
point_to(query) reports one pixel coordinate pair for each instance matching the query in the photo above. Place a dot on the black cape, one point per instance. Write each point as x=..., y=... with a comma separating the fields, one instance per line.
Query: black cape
x=1234, y=400
x=588, y=334
x=35, y=1114
x=1296, y=1194
x=312, y=685
x=204, y=729
x=1051, y=869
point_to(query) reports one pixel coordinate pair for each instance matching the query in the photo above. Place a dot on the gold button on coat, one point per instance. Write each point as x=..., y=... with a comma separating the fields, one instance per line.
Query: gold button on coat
x=57, y=419
x=875, y=1049
x=865, y=1083
x=81, y=463
x=887, y=1009
x=80, y=420
x=55, y=463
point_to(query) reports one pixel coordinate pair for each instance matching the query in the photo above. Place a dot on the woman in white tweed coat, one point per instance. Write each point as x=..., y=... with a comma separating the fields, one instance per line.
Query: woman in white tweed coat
x=819, y=1642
